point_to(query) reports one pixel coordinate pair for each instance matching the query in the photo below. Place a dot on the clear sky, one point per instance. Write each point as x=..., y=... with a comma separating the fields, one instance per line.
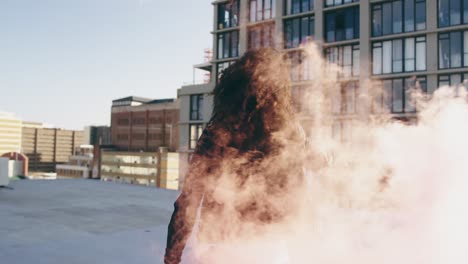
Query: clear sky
x=62, y=62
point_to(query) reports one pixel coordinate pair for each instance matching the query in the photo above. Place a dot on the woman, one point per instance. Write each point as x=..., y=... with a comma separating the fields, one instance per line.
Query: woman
x=242, y=170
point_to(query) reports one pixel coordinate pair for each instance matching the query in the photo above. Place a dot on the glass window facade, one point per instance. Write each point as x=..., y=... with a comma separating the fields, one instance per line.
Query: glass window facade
x=342, y=24
x=261, y=10
x=453, y=49
x=261, y=36
x=298, y=6
x=300, y=67
x=196, y=107
x=329, y=3
x=228, y=14
x=399, y=55
x=344, y=101
x=195, y=131
x=346, y=57
x=398, y=16
x=298, y=31
x=454, y=80
x=395, y=95
x=452, y=12
x=228, y=44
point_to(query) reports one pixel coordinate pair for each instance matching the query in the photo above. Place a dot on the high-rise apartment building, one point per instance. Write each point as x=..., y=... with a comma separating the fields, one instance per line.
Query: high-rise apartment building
x=384, y=49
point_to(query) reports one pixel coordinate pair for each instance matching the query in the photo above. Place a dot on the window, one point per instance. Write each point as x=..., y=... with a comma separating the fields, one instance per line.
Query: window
x=122, y=136
x=195, y=132
x=452, y=12
x=399, y=55
x=196, y=107
x=398, y=16
x=300, y=67
x=220, y=67
x=138, y=136
x=261, y=36
x=262, y=10
x=298, y=6
x=228, y=44
x=155, y=136
x=454, y=80
x=344, y=101
x=453, y=49
x=228, y=14
x=342, y=24
x=346, y=57
x=156, y=120
x=329, y=3
x=138, y=121
x=123, y=122
x=394, y=95
x=298, y=31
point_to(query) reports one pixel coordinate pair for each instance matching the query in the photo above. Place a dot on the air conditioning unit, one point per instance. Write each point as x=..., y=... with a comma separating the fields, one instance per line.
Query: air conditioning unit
x=4, y=169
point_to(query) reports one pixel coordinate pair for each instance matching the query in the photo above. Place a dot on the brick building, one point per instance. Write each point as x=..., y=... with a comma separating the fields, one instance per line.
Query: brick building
x=142, y=124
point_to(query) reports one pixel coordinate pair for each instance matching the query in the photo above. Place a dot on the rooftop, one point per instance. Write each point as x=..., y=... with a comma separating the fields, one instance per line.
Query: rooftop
x=133, y=99
x=161, y=101
x=83, y=221
x=139, y=101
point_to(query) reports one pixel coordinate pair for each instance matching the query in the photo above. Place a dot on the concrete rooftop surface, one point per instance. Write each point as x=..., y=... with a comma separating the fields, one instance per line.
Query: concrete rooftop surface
x=83, y=221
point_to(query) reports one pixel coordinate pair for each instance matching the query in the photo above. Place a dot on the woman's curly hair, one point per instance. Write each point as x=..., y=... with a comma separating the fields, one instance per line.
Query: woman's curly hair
x=252, y=99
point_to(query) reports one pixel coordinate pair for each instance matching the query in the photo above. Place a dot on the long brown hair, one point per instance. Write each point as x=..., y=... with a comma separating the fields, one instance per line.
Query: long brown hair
x=252, y=100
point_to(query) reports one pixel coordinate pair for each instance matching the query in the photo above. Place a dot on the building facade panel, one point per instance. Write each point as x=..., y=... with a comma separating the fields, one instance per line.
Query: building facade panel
x=147, y=126
x=10, y=133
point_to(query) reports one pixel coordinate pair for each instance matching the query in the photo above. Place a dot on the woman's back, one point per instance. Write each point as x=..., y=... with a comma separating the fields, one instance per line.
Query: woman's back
x=242, y=167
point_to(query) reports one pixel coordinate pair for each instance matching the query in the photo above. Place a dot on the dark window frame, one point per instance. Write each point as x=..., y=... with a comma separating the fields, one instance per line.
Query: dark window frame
x=379, y=6
x=196, y=111
x=193, y=142
x=403, y=59
x=462, y=15
x=340, y=14
x=289, y=24
x=299, y=65
x=462, y=49
x=272, y=10
x=354, y=47
x=339, y=4
x=233, y=21
x=421, y=79
x=233, y=44
x=463, y=76
x=265, y=38
x=291, y=11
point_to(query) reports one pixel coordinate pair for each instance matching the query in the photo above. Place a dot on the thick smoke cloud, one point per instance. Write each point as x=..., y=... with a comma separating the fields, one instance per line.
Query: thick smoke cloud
x=393, y=192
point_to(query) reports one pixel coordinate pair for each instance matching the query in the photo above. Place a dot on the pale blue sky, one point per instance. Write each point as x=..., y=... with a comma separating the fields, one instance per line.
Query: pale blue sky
x=62, y=62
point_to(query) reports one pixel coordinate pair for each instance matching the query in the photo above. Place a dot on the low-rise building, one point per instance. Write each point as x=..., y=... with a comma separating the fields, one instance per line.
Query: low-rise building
x=48, y=147
x=159, y=169
x=142, y=124
x=79, y=165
